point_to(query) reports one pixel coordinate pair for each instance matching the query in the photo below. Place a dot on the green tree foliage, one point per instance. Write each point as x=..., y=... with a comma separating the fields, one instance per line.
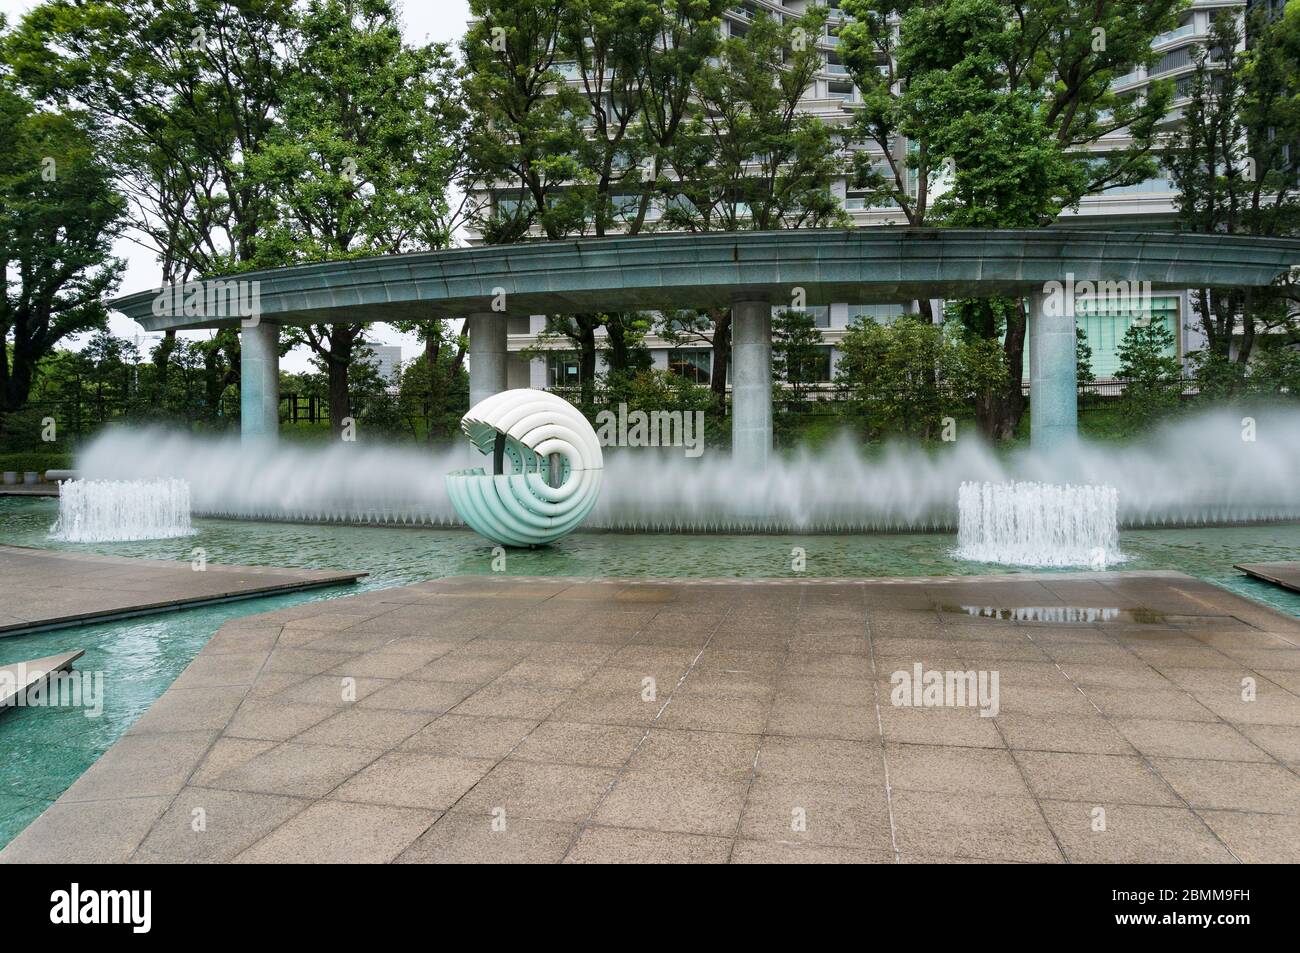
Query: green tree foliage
x=192, y=91
x=584, y=157
x=435, y=388
x=798, y=357
x=1275, y=372
x=259, y=134
x=1148, y=365
x=906, y=377
x=1002, y=99
x=59, y=217
x=1083, y=356
x=749, y=158
x=1236, y=164
x=367, y=143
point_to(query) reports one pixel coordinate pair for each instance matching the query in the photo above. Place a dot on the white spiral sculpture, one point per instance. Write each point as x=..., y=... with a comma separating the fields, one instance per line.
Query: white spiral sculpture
x=546, y=470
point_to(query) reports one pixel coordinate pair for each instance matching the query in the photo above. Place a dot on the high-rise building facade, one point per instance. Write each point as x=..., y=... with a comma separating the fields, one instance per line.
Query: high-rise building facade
x=833, y=97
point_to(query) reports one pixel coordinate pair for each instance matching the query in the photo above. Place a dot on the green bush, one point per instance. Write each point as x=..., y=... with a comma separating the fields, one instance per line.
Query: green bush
x=1147, y=362
x=905, y=378
x=35, y=460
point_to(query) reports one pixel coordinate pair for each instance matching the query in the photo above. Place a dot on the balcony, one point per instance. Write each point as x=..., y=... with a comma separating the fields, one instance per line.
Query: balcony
x=1128, y=79
x=1184, y=31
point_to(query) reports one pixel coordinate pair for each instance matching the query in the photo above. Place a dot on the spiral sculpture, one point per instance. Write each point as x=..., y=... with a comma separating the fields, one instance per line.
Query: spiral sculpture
x=546, y=468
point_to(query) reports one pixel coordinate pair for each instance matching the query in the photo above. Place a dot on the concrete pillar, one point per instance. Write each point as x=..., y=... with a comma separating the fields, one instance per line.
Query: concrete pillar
x=487, y=355
x=1053, y=374
x=751, y=382
x=259, y=382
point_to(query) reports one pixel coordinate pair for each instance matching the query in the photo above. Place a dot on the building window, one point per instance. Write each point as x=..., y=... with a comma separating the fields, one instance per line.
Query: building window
x=563, y=369
x=880, y=313
x=1106, y=326
x=818, y=370
x=694, y=364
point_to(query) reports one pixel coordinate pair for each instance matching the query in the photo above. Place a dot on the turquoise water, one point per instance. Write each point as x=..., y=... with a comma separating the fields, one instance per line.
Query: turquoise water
x=46, y=749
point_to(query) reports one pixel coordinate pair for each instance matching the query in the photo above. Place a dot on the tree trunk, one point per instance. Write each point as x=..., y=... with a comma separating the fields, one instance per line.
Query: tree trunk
x=19, y=385
x=617, y=336
x=587, y=357
x=1247, y=328
x=721, y=357
x=338, y=394
x=1007, y=409
x=162, y=363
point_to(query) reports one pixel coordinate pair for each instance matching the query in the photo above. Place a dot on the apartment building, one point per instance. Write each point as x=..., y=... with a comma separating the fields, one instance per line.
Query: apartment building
x=833, y=96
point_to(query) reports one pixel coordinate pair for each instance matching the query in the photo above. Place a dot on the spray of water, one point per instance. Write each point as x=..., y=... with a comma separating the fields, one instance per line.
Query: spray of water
x=104, y=511
x=1197, y=471
x=1038, y=524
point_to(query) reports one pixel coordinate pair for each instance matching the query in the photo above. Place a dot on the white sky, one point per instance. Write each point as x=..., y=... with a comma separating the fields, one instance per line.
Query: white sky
x=430, y=20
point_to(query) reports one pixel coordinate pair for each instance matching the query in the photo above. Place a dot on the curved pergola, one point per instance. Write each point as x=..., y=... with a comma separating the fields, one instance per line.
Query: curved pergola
x=650, y=272
x=748, y=271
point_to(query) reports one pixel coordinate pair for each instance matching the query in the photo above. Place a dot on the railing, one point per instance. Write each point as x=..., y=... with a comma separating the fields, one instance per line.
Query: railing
x=79, y=416
x=311, y=410
x=1188, y=29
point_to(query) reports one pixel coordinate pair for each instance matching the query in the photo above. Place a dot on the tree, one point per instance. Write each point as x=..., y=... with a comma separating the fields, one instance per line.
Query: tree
x=191, y=90
x=1150, y=369
x=635, y=62
x=367, y=143
x=435, y=388
x=1236, y=165
x=59, y=217
x=748, y=157
x=914, y=377
x=577, y=158
x=525, y=128
x=1007, y=100
x=190, y=93
x=892, y=376
x=1083, y=356
x=797, y=352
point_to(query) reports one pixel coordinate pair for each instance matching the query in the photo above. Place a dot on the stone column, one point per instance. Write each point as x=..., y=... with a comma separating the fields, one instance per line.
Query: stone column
x=1053, y=374
x=751, y=382
x=487, y=354
x=259, y=382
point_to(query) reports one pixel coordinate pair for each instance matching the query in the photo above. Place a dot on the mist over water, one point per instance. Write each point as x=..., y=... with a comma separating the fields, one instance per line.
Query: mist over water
x=1195, y=471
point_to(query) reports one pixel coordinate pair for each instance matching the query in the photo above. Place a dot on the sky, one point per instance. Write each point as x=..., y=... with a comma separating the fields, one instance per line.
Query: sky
x=424, y=21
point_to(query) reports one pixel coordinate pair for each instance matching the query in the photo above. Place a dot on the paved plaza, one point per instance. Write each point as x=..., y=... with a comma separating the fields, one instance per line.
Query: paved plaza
x=1142, y=717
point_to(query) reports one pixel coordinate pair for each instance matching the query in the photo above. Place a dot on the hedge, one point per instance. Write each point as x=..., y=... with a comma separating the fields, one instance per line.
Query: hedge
x=35, y=460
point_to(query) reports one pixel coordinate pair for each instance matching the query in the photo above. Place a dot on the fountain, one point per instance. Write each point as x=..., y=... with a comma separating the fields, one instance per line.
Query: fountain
x=104, y=511
x=1038, y=524
x=1197, y=471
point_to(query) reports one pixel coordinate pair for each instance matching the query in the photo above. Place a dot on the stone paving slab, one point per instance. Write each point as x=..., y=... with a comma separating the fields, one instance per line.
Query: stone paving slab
x=1285, y=574
x=16, y=679
x=489, y=719
x=48, y=589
